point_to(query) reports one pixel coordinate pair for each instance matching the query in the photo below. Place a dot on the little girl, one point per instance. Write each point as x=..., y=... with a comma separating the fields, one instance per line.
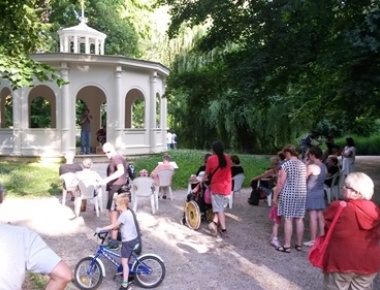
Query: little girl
x=273, y=216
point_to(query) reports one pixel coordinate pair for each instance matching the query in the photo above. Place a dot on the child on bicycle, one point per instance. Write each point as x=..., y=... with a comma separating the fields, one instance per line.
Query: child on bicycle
x=128, y=231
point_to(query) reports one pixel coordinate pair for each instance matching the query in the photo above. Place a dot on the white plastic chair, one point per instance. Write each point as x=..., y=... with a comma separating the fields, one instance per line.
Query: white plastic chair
x=144, y=187
x=86, y=191
x=70, y=183
x=334, y=186
x=165, y=180
x=238, y=184
x=269, y=196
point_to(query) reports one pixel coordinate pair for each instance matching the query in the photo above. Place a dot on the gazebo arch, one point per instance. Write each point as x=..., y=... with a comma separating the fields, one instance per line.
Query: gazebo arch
x=45, y=92
x=6, y=107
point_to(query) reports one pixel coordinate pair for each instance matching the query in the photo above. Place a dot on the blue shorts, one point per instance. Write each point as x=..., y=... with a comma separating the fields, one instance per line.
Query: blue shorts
x=127, y=248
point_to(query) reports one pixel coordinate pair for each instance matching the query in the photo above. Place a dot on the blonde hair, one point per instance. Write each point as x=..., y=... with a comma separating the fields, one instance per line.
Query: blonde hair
x=87, y=163
x=361, y=183
x=122, y=199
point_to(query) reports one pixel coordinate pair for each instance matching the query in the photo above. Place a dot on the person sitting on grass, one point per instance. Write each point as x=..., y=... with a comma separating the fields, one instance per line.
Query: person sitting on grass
x=128, y=231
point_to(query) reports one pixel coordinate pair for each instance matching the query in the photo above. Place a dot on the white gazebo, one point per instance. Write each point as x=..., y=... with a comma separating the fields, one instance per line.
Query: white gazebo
x=114, y=85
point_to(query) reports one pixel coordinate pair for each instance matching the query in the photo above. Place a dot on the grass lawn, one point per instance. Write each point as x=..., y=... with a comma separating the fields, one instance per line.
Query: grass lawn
x=37, y=179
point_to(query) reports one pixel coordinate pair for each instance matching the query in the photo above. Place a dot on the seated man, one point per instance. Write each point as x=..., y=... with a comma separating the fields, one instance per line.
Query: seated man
x=165, y=165
x=68, y=167
x=89, y=176
x=101, y=135
x=23, y=250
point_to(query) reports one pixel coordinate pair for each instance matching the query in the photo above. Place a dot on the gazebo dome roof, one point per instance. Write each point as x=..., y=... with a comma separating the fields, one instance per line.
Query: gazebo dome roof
x=82, y=29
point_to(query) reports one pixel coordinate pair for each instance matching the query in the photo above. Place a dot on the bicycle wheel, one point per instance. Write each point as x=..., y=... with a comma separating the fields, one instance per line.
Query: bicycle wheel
x=149, y=271
x=193, y=215
x=88, y=274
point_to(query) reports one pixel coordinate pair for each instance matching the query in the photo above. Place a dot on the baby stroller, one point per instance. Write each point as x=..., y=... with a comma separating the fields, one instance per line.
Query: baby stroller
x=131, y=174
x=196, y=209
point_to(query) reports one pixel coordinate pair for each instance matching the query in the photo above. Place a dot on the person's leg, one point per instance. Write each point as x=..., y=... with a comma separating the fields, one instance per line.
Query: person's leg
x=113, y=215
x=360, y=282
x=60, y=276
x=288, y=231
x=88, y=142
x=333, y=281
x=313, y=224
x=274, y=240
x=321, y=222
x=82, y=142
x=299, y=230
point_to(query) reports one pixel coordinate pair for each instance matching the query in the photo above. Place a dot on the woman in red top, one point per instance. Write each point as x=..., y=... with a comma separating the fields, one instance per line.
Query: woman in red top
x=218, y=167
x=352, y=258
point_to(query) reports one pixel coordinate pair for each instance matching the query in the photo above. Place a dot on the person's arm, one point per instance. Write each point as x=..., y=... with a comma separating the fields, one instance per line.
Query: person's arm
x=266, y=174
x=309, y=171
x=115, y=225
x=119, y=172
x=60, y=276
x=280, y=185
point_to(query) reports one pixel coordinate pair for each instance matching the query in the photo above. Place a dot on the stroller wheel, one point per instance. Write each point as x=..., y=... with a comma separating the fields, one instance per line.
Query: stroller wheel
x=193, y=215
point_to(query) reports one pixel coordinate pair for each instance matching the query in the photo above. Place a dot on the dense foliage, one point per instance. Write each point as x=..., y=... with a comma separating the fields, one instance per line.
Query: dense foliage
x=266, y=71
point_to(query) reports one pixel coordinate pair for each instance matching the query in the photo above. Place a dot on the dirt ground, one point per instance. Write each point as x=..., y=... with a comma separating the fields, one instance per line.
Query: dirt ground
x=193, y=259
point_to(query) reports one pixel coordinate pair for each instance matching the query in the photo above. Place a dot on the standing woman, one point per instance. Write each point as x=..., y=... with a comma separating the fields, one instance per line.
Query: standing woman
x=290, y=194
x=352, y=257
x=315, y=199
x=348, y=155
x=218, y=169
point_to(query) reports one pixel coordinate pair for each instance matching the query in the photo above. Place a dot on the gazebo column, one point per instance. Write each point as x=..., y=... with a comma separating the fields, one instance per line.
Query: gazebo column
x=151, y=113
x=17, y=130
x=115, y=118
x=87, y=45
x=96, y=46
x=76, y=50
x=67, y=114
x=164, y=113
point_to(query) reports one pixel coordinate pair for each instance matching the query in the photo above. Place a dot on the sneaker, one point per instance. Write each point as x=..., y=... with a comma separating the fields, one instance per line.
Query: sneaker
x=309, y=243
x=125, y=288
x=113, y=245
x=213, y=228
x=275, y=243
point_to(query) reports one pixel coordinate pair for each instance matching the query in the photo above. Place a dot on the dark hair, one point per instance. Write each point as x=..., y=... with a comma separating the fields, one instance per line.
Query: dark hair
x=281, y=155
x=235, y=159
x=217, y=147
x=334, y=159
x=291, y=150
x=316, y=151
x=206, y=157
x=350, y=142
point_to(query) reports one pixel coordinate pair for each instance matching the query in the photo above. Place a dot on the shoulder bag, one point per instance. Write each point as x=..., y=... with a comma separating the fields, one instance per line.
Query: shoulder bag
x=317, y=251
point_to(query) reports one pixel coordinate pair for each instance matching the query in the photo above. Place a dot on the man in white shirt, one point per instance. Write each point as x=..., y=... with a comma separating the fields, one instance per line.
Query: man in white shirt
x=23, y=250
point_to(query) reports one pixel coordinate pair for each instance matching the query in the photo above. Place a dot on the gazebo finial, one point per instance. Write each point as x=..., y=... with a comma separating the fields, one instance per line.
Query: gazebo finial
x=82, y=18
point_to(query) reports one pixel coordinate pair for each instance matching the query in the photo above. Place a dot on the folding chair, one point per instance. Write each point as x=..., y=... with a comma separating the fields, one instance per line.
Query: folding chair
x=87, y=191
x=69, y=185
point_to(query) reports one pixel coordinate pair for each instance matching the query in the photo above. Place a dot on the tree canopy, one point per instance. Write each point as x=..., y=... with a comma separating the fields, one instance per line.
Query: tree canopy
x=296, y=65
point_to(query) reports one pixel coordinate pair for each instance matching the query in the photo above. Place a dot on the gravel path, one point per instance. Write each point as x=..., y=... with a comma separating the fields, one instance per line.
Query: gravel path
x=193, y=259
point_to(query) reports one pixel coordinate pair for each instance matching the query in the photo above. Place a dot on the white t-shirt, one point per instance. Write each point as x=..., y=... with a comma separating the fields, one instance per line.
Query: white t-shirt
x=127, y=229
x=20, y=250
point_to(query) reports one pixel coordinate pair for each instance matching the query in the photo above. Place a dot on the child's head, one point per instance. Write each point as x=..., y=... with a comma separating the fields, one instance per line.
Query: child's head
x=235, y=159
x=144, y=173
x=121, y=201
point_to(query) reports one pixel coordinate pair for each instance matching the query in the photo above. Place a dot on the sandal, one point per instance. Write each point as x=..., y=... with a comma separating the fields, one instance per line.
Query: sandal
x=298, y=247
x=283, y=249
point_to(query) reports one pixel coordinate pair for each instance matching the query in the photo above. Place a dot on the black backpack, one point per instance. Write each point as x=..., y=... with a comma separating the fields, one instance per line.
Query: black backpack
x=131, y=170
x=254, y=197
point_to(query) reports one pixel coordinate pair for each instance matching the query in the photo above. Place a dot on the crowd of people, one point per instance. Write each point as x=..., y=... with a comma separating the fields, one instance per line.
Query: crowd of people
x=297, y=185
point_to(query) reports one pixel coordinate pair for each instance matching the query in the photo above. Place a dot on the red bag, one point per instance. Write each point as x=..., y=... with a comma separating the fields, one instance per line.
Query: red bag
x=317, y=251
x=207, y=196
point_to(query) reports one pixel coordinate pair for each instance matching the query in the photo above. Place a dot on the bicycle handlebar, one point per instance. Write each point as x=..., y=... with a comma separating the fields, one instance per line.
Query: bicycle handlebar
x=102, y=235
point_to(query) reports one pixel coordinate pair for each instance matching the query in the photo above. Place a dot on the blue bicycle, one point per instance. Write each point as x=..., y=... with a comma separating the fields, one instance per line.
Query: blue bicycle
x=148, y=271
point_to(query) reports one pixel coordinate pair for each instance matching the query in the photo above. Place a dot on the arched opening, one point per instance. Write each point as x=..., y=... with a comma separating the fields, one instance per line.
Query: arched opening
x=93, y=99
x=135, y=109
x=40, y=113
x=6, y=109
x=42, y=108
